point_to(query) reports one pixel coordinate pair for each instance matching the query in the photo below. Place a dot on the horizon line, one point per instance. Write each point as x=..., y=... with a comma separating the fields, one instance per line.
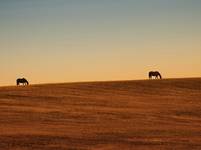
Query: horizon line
x=99, y=81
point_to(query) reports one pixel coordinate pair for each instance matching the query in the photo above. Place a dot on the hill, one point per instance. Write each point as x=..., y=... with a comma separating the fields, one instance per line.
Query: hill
x=140, y=115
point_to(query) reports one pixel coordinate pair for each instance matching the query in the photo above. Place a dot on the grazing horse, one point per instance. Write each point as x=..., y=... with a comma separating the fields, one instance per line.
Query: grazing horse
x=156, y=74
x=23, y=81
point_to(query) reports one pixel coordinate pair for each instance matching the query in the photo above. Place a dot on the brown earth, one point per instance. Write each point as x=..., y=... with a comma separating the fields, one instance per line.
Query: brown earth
x=122, y=115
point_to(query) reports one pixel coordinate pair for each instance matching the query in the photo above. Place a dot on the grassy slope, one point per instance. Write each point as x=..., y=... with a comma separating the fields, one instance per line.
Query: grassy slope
x=149, y=114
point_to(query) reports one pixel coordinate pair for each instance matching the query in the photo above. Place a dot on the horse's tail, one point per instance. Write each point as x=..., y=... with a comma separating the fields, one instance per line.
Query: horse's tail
x=17, y=82
x=150, y=74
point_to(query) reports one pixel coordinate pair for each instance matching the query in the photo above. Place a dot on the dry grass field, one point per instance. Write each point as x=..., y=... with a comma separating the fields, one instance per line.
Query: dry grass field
x=122, y=115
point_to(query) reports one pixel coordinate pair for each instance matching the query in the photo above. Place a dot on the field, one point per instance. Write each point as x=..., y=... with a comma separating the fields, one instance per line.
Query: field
x=121, y=115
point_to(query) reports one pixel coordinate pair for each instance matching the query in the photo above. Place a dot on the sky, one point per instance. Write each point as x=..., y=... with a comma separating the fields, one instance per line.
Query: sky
x=50, y=41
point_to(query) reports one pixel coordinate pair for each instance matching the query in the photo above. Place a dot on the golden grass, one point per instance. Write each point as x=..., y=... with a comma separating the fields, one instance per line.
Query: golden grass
x=140, y=115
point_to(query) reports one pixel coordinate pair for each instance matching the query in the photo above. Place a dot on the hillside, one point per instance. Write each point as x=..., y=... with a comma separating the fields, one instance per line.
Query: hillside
x=140, y=115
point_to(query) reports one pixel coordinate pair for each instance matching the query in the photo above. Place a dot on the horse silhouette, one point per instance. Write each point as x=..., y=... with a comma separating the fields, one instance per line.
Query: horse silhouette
x=23, y=81
x=155, y=74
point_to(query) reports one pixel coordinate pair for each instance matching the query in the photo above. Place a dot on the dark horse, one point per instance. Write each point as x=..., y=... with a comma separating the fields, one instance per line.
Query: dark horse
x=156, y=74
x=23, y=81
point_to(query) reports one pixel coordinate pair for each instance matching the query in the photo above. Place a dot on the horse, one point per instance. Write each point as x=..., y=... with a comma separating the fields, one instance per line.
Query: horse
x=156, y=74
x=23, y=81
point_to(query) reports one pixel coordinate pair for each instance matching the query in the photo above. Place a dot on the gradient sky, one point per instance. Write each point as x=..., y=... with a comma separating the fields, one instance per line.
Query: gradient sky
x=86, y=40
